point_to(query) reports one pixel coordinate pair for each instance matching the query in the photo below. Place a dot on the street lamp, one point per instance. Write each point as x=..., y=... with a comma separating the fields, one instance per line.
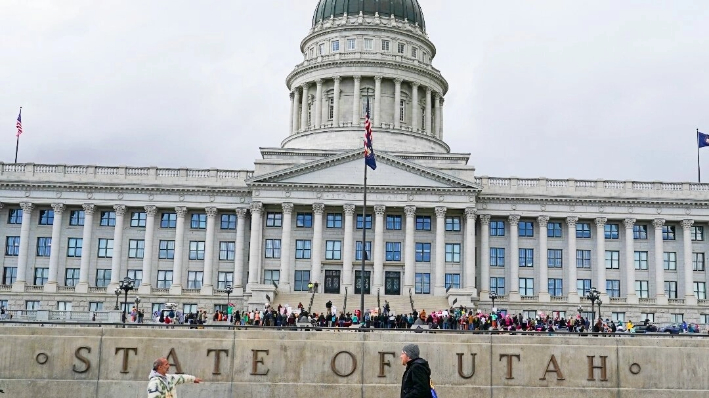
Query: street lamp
x=493, y=296
x=117, y=292
x=228, y=291
x=126, y=285
x=137, y=308
x=593, y=295
x=599, y=308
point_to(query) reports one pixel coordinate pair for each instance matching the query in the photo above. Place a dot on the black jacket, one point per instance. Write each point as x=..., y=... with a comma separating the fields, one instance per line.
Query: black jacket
x=416, y=381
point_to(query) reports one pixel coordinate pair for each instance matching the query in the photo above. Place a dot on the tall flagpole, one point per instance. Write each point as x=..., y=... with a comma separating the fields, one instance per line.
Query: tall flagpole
x=364, y=244
x=699, y=169
x=17, y=143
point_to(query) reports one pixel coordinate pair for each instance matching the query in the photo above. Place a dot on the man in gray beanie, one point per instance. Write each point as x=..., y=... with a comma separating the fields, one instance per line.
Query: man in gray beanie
x=416, y=381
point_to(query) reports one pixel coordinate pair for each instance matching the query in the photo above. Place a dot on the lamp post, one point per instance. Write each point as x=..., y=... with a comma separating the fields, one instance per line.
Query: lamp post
x=137, y=308
x=228, y=291
x=599, y=308
x=580, y=310
x=117, y=292
x=493, y=296
x=593, y=295
x=126, y=285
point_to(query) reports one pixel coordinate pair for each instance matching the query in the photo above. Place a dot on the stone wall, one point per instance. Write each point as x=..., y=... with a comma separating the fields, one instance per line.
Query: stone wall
x=111, y=362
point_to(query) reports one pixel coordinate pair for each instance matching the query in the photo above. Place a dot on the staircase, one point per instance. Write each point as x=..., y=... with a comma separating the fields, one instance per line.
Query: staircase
x=398, y=304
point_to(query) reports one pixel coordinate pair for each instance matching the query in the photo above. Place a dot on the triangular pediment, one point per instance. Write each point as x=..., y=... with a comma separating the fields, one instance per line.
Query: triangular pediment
x=347, y=169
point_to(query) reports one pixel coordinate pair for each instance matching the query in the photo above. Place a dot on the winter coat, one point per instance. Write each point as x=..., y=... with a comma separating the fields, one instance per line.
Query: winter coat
x=416, y=381
x=161, y=386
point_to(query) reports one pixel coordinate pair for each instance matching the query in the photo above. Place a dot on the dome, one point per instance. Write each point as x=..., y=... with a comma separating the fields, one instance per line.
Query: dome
x=401, y=9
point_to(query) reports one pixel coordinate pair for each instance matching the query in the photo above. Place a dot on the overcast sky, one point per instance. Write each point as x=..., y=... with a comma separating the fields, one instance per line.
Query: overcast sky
x=560, y=89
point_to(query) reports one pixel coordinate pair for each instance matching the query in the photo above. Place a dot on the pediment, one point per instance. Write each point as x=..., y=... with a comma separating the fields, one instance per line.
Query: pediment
x=347, y=169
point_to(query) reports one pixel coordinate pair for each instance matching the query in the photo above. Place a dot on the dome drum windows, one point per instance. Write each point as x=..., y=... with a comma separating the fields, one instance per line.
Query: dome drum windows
x=335, y=46
x=368, y=44
x=351, y=44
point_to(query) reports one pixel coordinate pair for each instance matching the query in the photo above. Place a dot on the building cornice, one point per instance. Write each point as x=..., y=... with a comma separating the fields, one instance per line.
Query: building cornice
x=600, y=202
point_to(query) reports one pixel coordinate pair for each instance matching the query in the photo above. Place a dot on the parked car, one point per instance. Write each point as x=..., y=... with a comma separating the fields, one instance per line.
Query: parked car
x=671, y=329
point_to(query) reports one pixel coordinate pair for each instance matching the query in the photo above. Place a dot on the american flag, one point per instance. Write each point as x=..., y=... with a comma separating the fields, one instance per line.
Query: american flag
x=368, y=149
x=19, y=123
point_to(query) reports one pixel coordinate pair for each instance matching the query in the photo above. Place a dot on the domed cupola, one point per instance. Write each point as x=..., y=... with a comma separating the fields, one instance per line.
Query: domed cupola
x=409, y=10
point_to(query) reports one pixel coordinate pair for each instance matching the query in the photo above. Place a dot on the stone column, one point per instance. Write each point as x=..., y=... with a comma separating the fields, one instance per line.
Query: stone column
x=409, y=248
x=239, y=251
x=255, y=246
x=689, y=297
x=294, y=111
x=514, y=258
x=336, y=102
x=83, y=285
x=440, y=273
x=415, y=106
x=470, y=250
x=440, y=119
x=318, y=103
x=378, y=246
x=356, y=110
x=428, y=111
x=660, y=297
x=51, y=285
x=397, y=103
x=377, y=100
x=484, y=255
x=286, y=257
x=145, y=286
x=631, y=297
x=601, y=256
x=570, y=283
x=348, y=246
x=117, y=247
x=543, y=283
x=207, y=277
x=318, y=209
x=437, y=102
x=177, y=263
x=304, y=108
x=19, y=285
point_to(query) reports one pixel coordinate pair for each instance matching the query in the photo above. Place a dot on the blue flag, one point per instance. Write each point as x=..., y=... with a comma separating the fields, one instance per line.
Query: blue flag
x=702, y=139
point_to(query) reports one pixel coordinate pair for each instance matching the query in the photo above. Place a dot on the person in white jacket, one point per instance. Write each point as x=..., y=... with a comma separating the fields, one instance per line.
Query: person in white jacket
x=163, y=385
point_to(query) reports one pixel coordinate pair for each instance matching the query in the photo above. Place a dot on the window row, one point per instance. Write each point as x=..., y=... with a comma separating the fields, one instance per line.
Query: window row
x=334, y=220
x=333, y=250
x=583, y=230
x=365, y=44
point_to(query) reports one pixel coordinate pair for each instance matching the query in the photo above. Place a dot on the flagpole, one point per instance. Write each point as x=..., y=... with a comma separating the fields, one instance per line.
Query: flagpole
x=17, y=143
x=699, y=169
x=364, y=244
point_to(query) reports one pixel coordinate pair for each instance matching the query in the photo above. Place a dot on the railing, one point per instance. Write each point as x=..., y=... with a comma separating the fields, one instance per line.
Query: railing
x=97, y=289
x=190, y=291
x=5, y=288
x=34, y=288
x=529, y=298
x=618, y=300
x=161, y=290
x=558, y=298
x=647, y=301
x=602, y=185
x=66, y=288
x=675, y=301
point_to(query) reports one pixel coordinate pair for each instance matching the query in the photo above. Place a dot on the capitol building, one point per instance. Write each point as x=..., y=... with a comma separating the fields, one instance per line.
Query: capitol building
x=438, y=231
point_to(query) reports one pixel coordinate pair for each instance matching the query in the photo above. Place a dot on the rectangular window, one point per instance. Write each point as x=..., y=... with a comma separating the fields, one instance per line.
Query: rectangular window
x=274, y=219
x=44, y=246
x=402, y=110
x=333, y=250
x=697, y=233
x=302, y=278
x=452, y=223
x=526, y=229
x=368, y=44
x=641, y=289
x=700, y=290
x=367, y=248
x=611, y=231
x=703, y=318
x=227, y=251
x=351, y=44
x=676, y=318
x=12, y=246
x=228, y=221
x=641, y=260
x=136, y=248
x=168, y=220
x=334, y=220
x=423, y=252
x=46, y=217
x=105, y=248
x=497, y=256
x=271, y=276
x=225, y=279
x=198, y=221
x=95, y=306
x=103, y=277
x=335, y=46
x=32, y=304
x=583, y=259
x=526, y=286
x=368, y=222
x=273, y=248
x=554, y=258
x=302, y=249
x=41, y=275
x=423, y=223
x=556, y=287
x=649, y=316
x=14, y=216
x=613, y=287
x=583, y=230
x=196, y=250
x=526, y=257
x=194, y=279
x=639, y=231
x=71, y=276
x=136, y=275
x=583, y=286
x=612, y=259
x=497, y=285
x=414, y=52
x=671, y=289
x=668, y=232
x=554, y=230
x=9, y=275
x=385, y=45
x=304, y=220
x=670, y=261
x=164, y=279
x=311, y=52
x=108, y=219
x=453, y=281
x=497, y=228
x=423, y=283
x=137, y=219
x=167, y=250
x=393, y=251
x=618, y=317
x=394, y=222
x=401, y=48
x=452, y=252
x=321, y=49
x=698, y=261
x=331, y=108
x=76, y=218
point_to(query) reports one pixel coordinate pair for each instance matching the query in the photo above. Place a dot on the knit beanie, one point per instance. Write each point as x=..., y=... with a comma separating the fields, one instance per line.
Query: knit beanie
x=411, y=350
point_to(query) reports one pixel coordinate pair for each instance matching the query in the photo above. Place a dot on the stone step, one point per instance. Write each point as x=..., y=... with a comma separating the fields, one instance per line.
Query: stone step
x=398, y=304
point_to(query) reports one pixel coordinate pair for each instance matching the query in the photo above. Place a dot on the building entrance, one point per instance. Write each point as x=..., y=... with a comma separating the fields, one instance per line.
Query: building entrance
x=392, y=283
x=332, y=281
